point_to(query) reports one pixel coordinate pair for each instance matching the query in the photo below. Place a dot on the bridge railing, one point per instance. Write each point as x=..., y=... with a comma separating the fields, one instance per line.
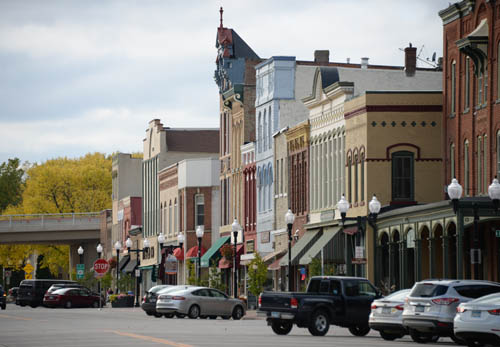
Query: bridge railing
x=42, y=219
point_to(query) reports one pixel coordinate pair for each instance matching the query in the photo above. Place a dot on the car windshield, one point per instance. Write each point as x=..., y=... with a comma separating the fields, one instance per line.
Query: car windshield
x=428, y=290
x=398, y=296
x=492, y=299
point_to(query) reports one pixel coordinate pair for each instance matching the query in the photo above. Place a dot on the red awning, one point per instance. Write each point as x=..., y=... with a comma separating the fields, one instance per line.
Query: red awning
x=351, y=230
x=179, y=253
x=226, y=264
x=193, y=252
x=275, y=265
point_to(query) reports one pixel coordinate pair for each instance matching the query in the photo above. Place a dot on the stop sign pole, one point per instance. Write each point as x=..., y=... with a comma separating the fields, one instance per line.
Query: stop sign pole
x=101, y=267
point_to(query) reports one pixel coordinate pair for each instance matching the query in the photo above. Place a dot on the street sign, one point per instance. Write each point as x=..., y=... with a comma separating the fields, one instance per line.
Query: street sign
x=101, y=267
x=498, y=233
x=80, y=271
x=137, y=273
x=28, y=268
x=8, y=273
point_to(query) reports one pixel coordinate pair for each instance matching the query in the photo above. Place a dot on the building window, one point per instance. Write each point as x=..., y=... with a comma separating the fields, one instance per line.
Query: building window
x=480, y=88
x=281, y=177
x=467, y=82
x=355, y=178
x=362, y=177
x=453, y=89
x=199, y=209
x=277, y=180
x=270, y=128
x=176, y=211
x=498, y=71
x=264, y=129
x=466, y=168
x=259, y=137
x=452, y=161
x=170, y=219
x=479, y=162
x=402, y=176
x=485, y=163
x=349, y=179
x=485, y=84
x=270, y=185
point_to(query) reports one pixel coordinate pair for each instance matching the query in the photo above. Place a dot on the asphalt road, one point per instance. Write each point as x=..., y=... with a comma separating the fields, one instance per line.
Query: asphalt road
x=121, y=327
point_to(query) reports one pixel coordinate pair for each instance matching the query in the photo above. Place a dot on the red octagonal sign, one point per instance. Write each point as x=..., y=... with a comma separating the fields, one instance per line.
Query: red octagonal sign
x=101, y=266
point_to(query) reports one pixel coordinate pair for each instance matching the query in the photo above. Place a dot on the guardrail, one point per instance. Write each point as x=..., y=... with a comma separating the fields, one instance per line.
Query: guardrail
x=42, y=219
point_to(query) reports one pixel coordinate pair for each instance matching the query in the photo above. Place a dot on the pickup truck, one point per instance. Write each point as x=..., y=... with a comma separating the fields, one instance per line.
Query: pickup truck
x=338, y=300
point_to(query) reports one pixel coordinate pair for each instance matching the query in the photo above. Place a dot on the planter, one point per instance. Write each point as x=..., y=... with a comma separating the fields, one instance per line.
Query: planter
x=124, y=301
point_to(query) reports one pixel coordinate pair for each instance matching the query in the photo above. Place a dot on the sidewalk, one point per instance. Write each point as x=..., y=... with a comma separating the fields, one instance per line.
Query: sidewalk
x=252, y=314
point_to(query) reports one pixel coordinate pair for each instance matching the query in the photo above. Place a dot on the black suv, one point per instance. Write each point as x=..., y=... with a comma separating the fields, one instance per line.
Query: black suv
x=3, y=298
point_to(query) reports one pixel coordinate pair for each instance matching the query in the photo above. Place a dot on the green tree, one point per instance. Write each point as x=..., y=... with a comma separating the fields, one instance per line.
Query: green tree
x=11, y=184
x=257, y=275
x=215, y=277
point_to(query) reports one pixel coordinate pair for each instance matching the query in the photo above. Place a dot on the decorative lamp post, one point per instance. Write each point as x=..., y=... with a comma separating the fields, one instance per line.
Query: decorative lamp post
x=289, y=219
x=235, y=227
x=137, y=251
x=99, y=252
x=343, y=207
x=117, y=246
x=80, y=253
x=200, y=230
x=494, y=193
x=455, y=193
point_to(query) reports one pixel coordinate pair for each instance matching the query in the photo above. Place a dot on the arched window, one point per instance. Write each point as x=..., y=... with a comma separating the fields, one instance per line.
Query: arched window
x=170, y=219
x=452, y=161
x=270, y=184
x=402, y=176
x=362, y=178
x=264, y=128
x=485, y=163
x=162, y=219
x=355, y=178
x=466, y=168
x=453, y=87
x=176, y=211
x=349, y=178
x=467, y=82
x=259, y=133
x=479, y=165
x=270, y=128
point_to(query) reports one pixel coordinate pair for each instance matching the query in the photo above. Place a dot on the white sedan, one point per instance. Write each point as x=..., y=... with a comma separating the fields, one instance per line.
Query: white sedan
x=478, y=321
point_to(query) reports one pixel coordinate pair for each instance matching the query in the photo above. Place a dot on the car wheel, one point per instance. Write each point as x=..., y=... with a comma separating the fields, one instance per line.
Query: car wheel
x=158, y=314
x=68, y=304
x=319, y=324
x=419, y=337
x=168, y=315
x=226, y=317
x=457, y=340
x=212, y=317
x=33, y=305
x=22, y=304
x=237, y=313
x=149, y=313
x=180, y=315
x=281, y=327
x=359, y=330
x=203, y=317
x=389, y=336
x=472, y=343
x=4, y=307
x=194, y=312
x=95, y=304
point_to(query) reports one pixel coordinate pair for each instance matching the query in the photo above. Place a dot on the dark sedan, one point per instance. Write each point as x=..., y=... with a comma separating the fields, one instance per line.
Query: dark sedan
x=149, y=300
x=72, y=297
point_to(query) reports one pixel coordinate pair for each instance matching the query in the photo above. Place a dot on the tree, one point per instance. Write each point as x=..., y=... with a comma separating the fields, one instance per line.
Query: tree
x=257, y=275
x=11, y=184
x=215, y=277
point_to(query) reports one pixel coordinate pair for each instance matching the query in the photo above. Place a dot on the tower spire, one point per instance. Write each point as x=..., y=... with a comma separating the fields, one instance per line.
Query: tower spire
x=221, y=11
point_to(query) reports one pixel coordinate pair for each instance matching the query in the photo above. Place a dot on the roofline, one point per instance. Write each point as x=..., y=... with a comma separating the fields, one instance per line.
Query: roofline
x=274, y=58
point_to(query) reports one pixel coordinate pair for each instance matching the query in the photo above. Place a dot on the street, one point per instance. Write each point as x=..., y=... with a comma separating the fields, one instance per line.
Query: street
x=120, y=327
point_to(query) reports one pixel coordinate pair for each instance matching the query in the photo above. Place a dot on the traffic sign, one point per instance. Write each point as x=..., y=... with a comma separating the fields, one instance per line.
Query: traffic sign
x=101, y=266
x=80, y=271
x=28, y=268
x=8, y=273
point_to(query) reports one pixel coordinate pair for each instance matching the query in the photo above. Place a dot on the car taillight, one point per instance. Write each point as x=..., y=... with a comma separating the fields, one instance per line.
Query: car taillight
x=374, y=307
x=461, y=309
x=444, y=301
x=178, y=298
x=495, y=312
x=400, y=307
x=260, y=300
x=406, y=300
x=294, y=303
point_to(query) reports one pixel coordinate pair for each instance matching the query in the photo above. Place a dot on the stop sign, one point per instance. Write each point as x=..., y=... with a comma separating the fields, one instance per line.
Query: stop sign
x=101, y=266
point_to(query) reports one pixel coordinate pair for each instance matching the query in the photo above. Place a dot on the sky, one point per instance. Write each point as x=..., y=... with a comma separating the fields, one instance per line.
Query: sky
x=87, y=76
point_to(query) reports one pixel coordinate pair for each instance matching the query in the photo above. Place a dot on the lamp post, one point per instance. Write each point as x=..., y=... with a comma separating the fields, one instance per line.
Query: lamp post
x=455, y=193
x=137, y=251
x=99, y=252
x=289, y=219
x=235, y=227
x=180, y=239
x=117, y=246
x=200, y=230
x=80, y=253
x=374, y=208
x=161, y=241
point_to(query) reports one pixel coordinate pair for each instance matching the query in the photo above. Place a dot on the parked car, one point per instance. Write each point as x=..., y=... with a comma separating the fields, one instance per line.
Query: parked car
x=149, y=300
x=477, y=322
x=72, y=297
x=57, y=286
x=386, y=315
x=3, y=298
x=431, y=306
x=200, y=302
x=339, y=300
x=31, y=292
x=12, y=295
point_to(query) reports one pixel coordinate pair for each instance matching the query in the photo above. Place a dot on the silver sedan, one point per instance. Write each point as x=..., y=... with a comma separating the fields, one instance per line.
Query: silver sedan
x=200, y=302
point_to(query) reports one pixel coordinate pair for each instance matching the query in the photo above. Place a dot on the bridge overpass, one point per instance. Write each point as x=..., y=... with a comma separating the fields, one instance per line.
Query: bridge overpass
x=74, y=229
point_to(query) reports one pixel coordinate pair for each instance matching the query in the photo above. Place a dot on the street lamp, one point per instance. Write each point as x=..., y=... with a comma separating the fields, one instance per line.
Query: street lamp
x=289, y=219
x=200, y=230
x=118, y=246
x=235, y=227
x=137, y=250
x=494, y=193
x=374, y=207
x=80, y=253
x=180, y=239
x=99, y=252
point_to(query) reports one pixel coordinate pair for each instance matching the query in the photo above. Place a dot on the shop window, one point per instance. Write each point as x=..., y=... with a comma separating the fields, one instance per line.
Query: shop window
x=199, y=209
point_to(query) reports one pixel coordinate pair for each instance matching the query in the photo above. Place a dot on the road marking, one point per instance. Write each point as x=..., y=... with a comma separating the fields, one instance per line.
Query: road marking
x=149, y=338
x=14, y=317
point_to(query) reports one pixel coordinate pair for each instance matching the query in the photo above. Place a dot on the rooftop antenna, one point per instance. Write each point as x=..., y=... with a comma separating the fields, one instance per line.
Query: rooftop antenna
x=221, y=12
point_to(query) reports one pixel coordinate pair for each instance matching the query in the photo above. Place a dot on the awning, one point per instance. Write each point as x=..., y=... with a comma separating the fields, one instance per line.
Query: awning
x=179, y=253
x=328, y=234
x=193, y=252
x=275, y=265
x=351, y=230
x=213, y=252
x=123, y=262
x=226, y=263
x=270, y=256
x=130, y=267
x=301, y=246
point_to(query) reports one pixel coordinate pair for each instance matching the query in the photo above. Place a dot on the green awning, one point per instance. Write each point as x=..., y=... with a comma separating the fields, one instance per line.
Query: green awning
x=298, y=250
x=328, y=234
x=213, y=252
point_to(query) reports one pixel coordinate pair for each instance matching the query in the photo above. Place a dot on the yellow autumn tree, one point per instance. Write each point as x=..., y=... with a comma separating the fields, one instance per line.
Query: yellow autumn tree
x=60, y=185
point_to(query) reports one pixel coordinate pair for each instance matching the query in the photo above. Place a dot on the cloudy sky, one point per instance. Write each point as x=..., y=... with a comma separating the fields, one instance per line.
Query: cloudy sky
x=84, y=76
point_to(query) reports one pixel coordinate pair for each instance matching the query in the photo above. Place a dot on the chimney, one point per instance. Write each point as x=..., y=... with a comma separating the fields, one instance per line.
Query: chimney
x=322, y=56
x=364, y=63
x=410, y=60
x=348, y=60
